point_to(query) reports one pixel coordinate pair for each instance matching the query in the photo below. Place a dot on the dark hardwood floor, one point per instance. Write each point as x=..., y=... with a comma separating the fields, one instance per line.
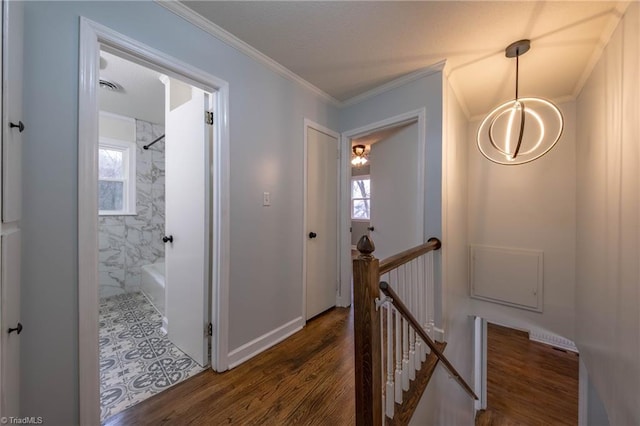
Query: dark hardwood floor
x=528, y=383
x=305, y=380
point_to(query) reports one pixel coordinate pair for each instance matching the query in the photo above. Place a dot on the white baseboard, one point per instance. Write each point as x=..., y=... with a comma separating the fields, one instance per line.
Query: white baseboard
x=343, y=302
x=264, y=342
x=165, y=325
x=552, y=340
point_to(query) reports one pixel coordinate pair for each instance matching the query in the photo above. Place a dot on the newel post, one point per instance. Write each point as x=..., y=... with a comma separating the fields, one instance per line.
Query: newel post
x=367, y=335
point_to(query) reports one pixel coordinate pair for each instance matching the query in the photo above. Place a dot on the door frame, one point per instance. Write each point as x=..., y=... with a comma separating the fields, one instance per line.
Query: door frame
x=93, y=38
x=480, y=362
x=309, y=124
x=344, y=287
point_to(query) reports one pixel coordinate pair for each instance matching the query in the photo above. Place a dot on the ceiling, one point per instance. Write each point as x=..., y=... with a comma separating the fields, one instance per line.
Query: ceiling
x=347, y=48
x=379, y=135
x=141, y=95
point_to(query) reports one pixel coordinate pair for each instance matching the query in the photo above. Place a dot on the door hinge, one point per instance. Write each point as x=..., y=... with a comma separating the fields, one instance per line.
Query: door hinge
x=210, y=329
x=208, y=117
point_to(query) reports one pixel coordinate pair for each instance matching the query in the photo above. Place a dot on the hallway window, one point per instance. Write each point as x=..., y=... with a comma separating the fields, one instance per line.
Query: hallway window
x=116, y=177
x=360, y=198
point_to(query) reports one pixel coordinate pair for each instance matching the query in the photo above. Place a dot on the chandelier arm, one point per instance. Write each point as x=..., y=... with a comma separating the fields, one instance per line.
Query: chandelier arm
x=522, y=117
x=490, y=133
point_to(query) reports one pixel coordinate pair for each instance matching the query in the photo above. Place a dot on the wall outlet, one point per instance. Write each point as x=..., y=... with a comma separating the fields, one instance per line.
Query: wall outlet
x=266, y=199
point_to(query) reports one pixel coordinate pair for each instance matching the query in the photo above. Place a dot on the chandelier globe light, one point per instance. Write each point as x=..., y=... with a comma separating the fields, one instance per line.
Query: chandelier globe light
x=523, y=129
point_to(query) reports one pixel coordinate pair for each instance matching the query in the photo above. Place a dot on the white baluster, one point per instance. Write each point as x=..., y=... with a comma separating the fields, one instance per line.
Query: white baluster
x=415, y=303
x=412, y=333
x=390, y=390
x=402, y=278
x=425, y=298
x=422, y=307
x=431, y=296
x=398, y=344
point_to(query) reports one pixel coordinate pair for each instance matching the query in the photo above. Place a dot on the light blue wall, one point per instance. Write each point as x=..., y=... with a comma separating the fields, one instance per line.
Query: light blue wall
x=266, y=135
x=425, y=92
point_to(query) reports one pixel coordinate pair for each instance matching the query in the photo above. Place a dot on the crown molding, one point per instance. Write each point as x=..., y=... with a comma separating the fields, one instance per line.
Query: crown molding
x=226, y=37
x=401, y=81
x=617, y=13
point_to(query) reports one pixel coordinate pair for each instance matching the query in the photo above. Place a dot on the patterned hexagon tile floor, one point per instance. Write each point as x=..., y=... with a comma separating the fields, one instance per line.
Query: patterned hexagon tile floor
x=137, y=360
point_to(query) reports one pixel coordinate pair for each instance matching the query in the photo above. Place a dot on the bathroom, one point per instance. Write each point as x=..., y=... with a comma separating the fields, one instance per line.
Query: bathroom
x=137, y=358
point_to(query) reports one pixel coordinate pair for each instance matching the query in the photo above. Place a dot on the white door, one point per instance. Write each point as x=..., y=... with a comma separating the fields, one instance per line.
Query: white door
x=322, y=222
x=12, y=23
x=395, y=214
x=187, y=213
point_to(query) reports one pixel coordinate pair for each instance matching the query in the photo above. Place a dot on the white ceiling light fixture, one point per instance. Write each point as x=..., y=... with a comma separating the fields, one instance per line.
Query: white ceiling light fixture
x=521, y=130
x=359, y=157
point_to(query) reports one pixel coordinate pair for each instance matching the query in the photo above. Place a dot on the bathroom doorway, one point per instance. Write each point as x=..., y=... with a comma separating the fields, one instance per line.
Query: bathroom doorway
x=153, y=207
x=153, y=263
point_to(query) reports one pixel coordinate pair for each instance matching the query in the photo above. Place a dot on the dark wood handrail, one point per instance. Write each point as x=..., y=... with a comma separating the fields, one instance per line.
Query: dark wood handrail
x=392, y=262
x=406, y=313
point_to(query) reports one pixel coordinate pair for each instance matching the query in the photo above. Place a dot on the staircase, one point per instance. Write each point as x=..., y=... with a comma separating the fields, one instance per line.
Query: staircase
x=395, y=351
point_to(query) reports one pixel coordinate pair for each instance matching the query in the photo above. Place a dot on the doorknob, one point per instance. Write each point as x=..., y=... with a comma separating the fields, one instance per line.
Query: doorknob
x=168, y=239
x=312, y=235
x=18, y=329
x=371, y=228
x=20, y=126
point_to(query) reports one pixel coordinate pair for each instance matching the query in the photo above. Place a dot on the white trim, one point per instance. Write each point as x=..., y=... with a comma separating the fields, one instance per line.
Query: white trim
x=264, y=342
x=93, y=37
x=400, y=81
x=583, y=394
x=551, y=339
x=88, y=353
x=309, y=124
x=419, y=115
x=480, y=363
x=226, y=37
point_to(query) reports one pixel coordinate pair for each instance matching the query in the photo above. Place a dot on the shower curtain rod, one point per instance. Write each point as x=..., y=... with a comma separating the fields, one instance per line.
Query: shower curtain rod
x=147, y=146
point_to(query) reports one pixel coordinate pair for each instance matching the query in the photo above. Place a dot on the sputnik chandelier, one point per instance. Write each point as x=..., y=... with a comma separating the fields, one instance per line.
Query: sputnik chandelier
x=521, y=130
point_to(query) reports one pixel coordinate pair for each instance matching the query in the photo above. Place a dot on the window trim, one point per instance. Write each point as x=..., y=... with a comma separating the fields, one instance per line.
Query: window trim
x=359, y=177
x=128, y=150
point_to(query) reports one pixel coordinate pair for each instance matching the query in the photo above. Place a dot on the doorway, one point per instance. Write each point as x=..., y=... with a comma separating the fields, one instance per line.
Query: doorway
x=208, y=294
x=153, y=219
x=394, y=174
x=321, y=215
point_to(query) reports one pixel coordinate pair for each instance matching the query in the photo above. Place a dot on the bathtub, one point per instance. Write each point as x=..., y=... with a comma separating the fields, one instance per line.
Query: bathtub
x=152, y=285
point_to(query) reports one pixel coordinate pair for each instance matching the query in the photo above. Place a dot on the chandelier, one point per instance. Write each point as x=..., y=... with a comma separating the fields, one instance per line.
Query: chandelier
x=521, y=130
x=359, y=158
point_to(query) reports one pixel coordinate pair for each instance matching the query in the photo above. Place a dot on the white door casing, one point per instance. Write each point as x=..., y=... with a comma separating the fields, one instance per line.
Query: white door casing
x=12, y=35
x=93, y=38
x=321, y=220
x=395, y=218
x=187, y=217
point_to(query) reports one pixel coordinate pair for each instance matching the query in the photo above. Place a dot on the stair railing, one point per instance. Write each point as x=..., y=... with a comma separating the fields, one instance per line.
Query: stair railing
x=393, y=339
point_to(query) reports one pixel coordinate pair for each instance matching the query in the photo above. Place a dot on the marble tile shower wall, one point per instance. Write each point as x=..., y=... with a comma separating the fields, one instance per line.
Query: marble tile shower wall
x=127, y=243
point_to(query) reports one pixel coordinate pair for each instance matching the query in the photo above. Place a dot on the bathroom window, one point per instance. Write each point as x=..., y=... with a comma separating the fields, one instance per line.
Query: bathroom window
x=360, y=198
x=116, y=177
